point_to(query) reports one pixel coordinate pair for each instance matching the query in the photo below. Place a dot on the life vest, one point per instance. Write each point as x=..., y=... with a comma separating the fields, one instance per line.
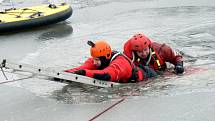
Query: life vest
x=154, y=61
x=134, y=77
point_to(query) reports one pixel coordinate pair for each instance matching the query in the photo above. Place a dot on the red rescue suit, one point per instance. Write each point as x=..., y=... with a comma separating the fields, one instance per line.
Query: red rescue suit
x=160, y=54
x=120, y=69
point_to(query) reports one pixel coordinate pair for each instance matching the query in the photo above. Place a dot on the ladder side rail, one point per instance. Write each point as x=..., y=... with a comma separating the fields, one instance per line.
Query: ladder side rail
x=61, y=75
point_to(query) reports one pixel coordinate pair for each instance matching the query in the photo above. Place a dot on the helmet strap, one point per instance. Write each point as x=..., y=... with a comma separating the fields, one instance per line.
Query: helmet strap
x=150, y=56
x=104, y=62
x=138, y=59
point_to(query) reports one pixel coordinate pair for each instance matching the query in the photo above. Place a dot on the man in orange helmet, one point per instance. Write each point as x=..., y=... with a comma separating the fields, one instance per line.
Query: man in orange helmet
x=109, y=65
x=145, y=53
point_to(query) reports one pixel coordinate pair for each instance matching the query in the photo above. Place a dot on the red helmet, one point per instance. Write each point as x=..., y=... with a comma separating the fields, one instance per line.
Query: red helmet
x=100, y=48
x=139, y=42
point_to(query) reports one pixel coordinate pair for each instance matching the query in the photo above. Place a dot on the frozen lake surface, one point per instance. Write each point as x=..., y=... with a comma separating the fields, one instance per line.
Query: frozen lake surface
x=186, y=25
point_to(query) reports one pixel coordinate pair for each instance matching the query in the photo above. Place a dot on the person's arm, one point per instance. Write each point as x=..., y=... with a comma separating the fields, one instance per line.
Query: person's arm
x=119, y=69
x=88, y=64
x=169, y=55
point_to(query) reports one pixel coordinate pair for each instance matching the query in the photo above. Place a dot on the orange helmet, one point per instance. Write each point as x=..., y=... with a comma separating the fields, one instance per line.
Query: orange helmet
x=100, y=48
x=139, y=42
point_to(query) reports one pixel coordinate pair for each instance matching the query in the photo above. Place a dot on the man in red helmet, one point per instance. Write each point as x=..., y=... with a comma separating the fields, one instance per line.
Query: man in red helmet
x=145, y=53
x=109, y=65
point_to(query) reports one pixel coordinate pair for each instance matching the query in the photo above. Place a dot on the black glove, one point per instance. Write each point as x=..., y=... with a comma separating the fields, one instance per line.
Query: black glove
x=149, y=73
x=105, y=77
x=179, y=69
x=80, y=72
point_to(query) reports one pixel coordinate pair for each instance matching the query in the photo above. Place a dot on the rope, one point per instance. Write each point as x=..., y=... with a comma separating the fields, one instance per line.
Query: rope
x=118, y=102
x=4, y=73
x=20, y=13
x=123, y=99
x=96, y=116
x=3, y=65
x=16, y=80
x=14, y=12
